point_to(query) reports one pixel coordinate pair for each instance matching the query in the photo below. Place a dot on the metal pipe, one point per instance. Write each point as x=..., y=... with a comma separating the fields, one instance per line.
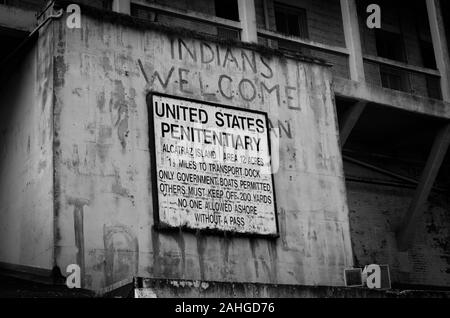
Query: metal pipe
x=49, y=4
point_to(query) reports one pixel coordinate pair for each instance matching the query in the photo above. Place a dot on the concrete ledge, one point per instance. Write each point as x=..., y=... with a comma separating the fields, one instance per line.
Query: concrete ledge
x=20, y=288
x=17, y=18
x=32, y=274
x=167, y=288
x=388, y=97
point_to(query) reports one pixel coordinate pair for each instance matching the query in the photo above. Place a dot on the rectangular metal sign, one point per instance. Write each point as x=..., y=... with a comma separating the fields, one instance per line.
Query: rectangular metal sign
x=212, y=167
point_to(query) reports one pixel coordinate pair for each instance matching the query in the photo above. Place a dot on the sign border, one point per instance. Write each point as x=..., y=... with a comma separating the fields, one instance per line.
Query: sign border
x=157, y=224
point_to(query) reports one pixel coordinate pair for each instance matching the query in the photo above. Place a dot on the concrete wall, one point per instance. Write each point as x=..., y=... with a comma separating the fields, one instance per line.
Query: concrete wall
x=102, y=161
x=26, y=170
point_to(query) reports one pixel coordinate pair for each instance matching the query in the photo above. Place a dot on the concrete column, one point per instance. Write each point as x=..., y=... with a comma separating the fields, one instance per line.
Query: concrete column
x=121, y=6
x=247, y=16
x=441, y=51
x=353, y=39
x=350, y=118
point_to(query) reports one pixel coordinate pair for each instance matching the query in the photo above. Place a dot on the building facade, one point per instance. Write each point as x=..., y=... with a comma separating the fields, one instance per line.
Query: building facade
x=357, y=132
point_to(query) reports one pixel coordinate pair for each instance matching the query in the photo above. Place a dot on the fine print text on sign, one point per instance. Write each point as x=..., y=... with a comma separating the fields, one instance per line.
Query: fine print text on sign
x=212, y=167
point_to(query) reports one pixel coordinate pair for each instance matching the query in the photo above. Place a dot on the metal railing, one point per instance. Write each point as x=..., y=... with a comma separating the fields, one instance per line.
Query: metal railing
x=412, y=79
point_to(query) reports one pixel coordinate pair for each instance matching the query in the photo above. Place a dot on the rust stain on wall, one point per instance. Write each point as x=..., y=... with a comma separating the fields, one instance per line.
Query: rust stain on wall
x=156, y=268
x=121, y=117
x=101, y=101
x=121, y=253
x=253, y=246
x=60, y=70
x=201, y=249
x=78, y=217
x=118, y=189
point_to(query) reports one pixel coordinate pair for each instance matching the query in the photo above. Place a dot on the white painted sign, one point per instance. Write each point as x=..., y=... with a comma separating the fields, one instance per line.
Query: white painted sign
x=212, y=167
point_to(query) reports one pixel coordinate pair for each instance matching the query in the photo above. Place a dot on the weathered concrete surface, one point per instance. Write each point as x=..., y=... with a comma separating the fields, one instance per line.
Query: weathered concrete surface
x=164, y=288
x=26, y=167
x=388, y=97
x=103, y=196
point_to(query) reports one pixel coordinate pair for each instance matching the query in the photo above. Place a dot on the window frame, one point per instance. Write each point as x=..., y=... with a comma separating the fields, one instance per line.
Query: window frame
x=400, y=41
x=235, y=5
x=405, y=80
x=301, y=14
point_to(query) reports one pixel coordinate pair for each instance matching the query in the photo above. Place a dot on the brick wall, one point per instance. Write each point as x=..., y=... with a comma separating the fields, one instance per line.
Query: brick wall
x=375, y=213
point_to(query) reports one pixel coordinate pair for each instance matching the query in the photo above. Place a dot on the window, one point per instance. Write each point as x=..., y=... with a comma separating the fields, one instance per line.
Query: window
x=427, y=51
x=434, y=87
x=107, y=5
x=291, y=20
x=390, y=45
x=142, y=12
x=228, y=34
x=227, y=9
x=394, y=79
x=445, y=11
